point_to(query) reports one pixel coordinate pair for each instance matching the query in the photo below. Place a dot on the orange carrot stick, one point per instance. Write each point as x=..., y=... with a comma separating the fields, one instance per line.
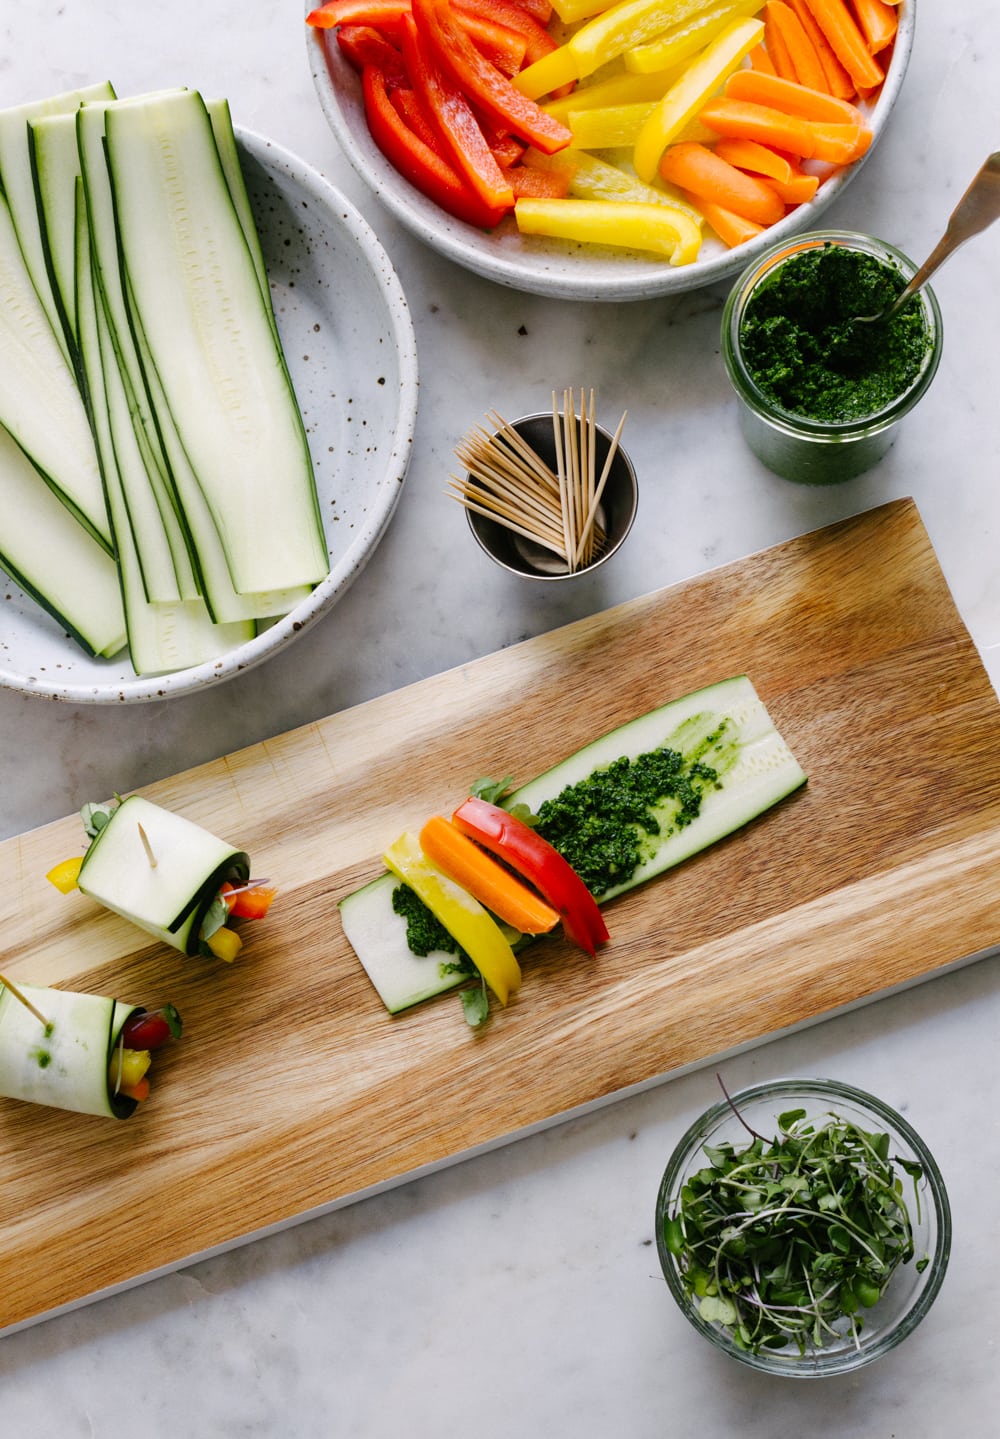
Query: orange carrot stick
x=777, y=48
x=839, y=144
x=462, y=860
x=841, y=29
x=693, y=167
x=745, y=120
x=878, y=23
x=791, y=97
x=838, y=82
x=759, y=159
x=732, y=229
x=781, y=19
x=798, y=189
x=760, y=60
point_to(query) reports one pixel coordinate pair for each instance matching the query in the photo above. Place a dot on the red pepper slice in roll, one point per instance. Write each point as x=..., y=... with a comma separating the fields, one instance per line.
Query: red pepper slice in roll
x=539, y=862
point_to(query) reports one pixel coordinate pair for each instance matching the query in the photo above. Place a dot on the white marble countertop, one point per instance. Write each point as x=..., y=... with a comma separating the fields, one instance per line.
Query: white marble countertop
x=518, y=1291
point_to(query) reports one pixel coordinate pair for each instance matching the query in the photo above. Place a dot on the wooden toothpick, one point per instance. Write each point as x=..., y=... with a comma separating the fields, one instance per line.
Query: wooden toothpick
x=508, y=482
x=23, y=998
x=147, y=846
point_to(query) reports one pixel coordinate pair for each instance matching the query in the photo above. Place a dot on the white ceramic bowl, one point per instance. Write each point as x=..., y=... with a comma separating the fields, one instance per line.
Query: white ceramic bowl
x=552, y=267
x=349, y=341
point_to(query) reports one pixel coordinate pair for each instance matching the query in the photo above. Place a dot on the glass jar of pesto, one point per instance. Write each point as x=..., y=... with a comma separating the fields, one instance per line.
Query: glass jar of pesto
x=820, y=398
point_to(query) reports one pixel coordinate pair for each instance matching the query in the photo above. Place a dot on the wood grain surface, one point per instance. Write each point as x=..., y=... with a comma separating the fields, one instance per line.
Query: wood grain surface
x=292, y=1090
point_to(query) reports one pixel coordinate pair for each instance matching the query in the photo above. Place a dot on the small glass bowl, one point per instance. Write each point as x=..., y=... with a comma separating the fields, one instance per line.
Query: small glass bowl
x=615, y=513
x=815, y=452
x=909, y=1293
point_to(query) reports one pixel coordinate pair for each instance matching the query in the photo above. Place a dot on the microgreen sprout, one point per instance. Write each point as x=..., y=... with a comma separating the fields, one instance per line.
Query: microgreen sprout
x=787, y=1241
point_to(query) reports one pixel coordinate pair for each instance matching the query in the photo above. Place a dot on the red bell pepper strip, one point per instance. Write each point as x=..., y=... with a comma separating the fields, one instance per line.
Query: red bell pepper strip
x=417, y=162
x=507, y=150
x=484, y=84
x=454, y=118
x=366, y=45
x=503, y=46
x=357, y=12
x=407, y=105
x=540, y=863
x=249, y=901
x=509, y=13
x=540, y=10
x=503, y=43
x=151, y=1030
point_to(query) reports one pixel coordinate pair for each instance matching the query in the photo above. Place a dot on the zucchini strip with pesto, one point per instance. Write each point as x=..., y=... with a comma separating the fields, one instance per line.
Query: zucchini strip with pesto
x=621, y=810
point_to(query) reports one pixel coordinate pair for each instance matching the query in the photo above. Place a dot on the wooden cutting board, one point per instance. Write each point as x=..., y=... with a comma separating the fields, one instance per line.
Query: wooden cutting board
x=293, y=1091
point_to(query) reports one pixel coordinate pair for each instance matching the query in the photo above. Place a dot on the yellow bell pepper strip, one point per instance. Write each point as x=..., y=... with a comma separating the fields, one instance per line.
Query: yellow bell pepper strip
x=661, y=229
x=608, y=127
x=486, y=88
x=600, y=40
x=684, y=99
x=591, y=178
x=463, y=917
x=571, y=12
x=495, y=887
x=681, y=42
x=65, y=874
x=615, y=90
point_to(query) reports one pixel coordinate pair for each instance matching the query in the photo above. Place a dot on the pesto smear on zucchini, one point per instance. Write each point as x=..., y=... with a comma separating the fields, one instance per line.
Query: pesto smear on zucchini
x=607, y=824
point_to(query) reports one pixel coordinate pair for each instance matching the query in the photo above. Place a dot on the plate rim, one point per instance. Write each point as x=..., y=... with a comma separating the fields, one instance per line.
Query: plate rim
x=271, y=155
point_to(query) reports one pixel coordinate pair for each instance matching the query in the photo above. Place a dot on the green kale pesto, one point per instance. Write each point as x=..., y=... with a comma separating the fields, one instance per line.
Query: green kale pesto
x=424, y=932
x=609, y=823
x=803, y=354
x=606, y=825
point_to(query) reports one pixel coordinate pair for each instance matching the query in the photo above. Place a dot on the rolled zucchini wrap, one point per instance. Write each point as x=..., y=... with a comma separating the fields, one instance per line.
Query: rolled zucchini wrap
x=159, y=870
x=65, y=1062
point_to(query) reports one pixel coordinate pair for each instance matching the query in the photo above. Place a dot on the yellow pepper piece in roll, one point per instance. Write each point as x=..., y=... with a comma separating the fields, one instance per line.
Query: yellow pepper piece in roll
x=465, y=919
x=658, y=228
x=685, y=98
x=65, y=874
x=225, y=944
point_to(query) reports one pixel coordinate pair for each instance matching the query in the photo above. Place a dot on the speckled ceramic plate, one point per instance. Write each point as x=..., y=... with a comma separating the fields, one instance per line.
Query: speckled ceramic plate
x=551, y=267
x=349, y=341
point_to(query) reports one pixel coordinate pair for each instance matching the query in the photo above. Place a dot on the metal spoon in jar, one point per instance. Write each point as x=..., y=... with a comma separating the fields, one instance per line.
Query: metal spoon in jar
x=976, y=211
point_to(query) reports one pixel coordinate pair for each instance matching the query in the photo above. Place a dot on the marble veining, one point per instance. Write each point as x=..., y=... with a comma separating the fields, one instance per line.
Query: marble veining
x=518, y=1291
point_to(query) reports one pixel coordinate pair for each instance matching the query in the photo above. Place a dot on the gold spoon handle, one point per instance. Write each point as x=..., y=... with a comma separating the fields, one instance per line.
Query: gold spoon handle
x=976, y=211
